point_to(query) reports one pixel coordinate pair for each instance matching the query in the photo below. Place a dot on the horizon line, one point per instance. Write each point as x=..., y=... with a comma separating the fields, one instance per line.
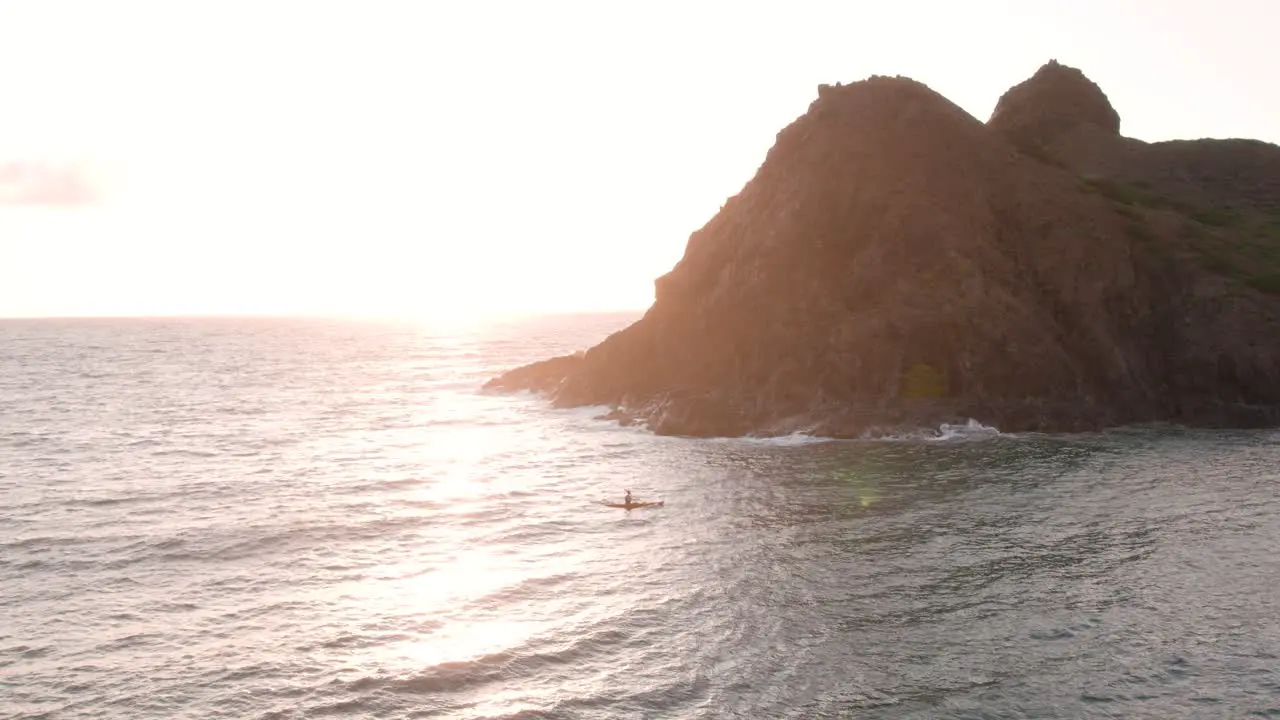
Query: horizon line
x=486, y=317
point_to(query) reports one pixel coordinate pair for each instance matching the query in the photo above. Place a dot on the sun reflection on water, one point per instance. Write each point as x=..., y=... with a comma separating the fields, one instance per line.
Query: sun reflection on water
x=463, y=641
x=451, y=595
x=461, y=597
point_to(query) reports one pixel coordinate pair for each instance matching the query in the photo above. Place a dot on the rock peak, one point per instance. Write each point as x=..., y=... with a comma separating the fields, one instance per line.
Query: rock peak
x=1056, y=99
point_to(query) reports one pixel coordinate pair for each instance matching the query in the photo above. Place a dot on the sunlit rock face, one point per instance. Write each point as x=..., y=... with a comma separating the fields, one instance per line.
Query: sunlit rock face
x=897, y=263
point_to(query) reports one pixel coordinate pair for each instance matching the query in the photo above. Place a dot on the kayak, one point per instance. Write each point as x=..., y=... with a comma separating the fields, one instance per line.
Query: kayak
x=633, y=505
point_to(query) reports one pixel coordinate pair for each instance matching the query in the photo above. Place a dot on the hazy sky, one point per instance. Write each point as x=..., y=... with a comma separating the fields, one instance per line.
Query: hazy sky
x=440, y=158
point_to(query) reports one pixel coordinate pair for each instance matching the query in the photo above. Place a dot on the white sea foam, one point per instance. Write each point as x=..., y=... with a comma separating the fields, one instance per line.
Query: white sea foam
x=596, y=417
x=971, y=430
x=795, y=439
x=946, y=432
x=588, y=412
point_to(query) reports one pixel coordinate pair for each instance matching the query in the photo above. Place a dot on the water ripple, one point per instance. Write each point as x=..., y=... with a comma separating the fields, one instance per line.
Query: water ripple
x=293, y=519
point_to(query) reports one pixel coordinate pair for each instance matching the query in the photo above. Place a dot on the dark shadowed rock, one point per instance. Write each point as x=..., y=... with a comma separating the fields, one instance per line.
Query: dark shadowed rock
x=1055, y=100
x=897, y=263
x=545, y=376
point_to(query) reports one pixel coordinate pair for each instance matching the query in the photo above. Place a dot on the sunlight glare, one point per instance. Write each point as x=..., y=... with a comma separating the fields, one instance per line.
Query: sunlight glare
x=460, y=642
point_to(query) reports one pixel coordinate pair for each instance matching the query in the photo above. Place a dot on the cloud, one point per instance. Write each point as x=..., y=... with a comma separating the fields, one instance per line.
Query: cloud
x=38, y=183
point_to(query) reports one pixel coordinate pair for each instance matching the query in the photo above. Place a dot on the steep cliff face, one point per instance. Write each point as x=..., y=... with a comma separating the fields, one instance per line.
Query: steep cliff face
x=895, y=262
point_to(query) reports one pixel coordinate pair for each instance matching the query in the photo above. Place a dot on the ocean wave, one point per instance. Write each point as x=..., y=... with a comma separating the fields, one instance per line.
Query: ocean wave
x=41, y=542
x=173, y=607
x=385, y=485
x=275, y=609
x=528, y=534
x=526, y=590
x=971, y=430
x=27, y=652
x=598, y=417
x=946, y=432
x=184, y=452
x=131, y=640
x=115, y=500
x=347, y=641
x=533, y=657
x=23, y=440
x=277, y=541
x=795, y=439
x=520, y=394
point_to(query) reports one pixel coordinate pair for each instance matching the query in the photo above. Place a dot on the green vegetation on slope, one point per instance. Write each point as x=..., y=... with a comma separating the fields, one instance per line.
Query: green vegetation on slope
x=1225, y=241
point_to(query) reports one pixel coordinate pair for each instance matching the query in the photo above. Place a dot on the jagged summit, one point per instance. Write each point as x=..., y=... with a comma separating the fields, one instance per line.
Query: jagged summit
x=895, y=262
x=1055, y=100
x=877, y=107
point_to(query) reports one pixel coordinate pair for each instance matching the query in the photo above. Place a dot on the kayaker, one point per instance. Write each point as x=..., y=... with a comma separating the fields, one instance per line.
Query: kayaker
x=627, y=501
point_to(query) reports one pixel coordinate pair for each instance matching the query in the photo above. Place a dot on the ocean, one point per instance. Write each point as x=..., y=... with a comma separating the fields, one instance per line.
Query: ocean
x=267, y=518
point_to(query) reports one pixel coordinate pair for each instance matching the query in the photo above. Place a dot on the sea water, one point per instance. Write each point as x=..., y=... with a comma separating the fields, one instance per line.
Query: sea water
x=261, y=518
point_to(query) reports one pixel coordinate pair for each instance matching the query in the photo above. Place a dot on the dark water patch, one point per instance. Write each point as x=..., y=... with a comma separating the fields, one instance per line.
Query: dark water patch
x=37, y=596
x=112, y=501
x=43, y=543
x=530, y=589
x=281, y=543
x=171, y=606
x=520, y=536
x=242, y=410
x=680, y=691
x=153, y=550
x=244, y=614
x=27, y=652
x=23, y=442
x=352, y=641
x=1051, y=634
x=556, y=714
x=125, y=642
x=368, y=707
x=250, y=671
x=185, y=453
x=386, y=485
x=507, y=665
